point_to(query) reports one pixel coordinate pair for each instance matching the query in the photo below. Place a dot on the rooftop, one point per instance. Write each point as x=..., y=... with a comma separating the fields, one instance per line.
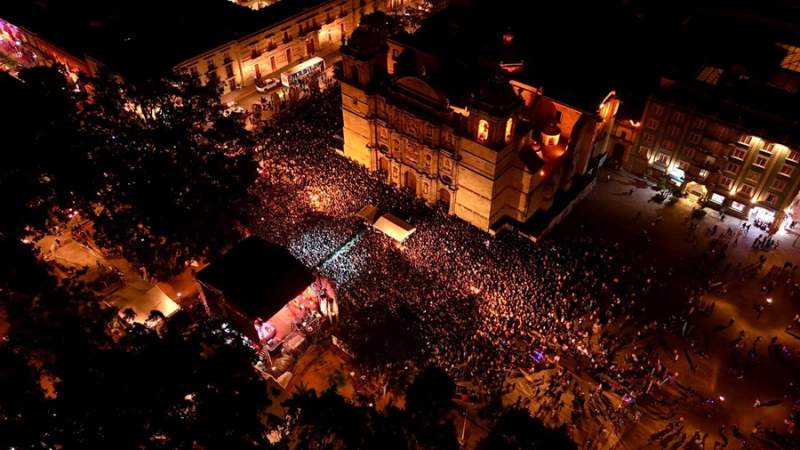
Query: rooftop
x=747, y=79
x=257, y=277
x=569, y=55
x=144, y=37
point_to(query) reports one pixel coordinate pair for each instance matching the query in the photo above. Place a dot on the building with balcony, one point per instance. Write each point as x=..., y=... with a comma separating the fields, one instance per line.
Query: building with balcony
x=474, y=131
x=214, y=39
x=727, y=132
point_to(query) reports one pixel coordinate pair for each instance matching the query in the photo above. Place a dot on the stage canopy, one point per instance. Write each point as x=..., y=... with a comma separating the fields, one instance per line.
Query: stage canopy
x=257, y=277
x=154, y=299
x=394, y=227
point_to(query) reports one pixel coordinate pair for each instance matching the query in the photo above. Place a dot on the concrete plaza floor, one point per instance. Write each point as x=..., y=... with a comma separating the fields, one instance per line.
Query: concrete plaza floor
x=657, y=235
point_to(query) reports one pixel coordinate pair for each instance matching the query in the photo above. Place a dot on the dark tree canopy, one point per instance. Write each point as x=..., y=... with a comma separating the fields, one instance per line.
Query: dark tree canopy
x=329, y=421
x=182, y=386
x=159, y=165
x=515, y=429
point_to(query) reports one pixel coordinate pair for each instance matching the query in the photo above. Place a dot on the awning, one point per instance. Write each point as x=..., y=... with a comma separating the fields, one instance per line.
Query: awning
x=394, y=227
x=368, y=214
x=154, y=299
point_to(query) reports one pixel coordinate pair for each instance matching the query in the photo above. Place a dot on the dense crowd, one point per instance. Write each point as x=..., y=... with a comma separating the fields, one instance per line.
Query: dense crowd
x=484, y=308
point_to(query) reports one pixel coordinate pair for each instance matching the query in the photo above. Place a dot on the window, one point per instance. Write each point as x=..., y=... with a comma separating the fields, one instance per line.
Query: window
x=657, y=109
x=786, y=170
x=738, y=153
x=768, y=148
x=229, y=71
x=662, y=158
x=683, y=165
x=731, y=167
x=648, y=139
x=677, y=117
x=699, y=123
x=668, y=145
x=778, y=185
x=703, y=173
x=771, y=199
x=760, y=161
x=745, y=139
x=736, y=206
x=746, y=189
x=483, y=131
x=644, y=152
x=288, y=56
x=673, y=131
x=717, y=198
x=652, y=124
x=725, y=181
x=694, y=138
x=794, y=156
x=509, y=129
x=272, y=63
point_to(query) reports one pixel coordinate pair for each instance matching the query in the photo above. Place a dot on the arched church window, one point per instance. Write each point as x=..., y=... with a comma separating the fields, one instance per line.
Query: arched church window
x=483, y=131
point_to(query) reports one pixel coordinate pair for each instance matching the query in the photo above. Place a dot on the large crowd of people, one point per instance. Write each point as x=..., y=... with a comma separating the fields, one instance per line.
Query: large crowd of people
x=486, y=309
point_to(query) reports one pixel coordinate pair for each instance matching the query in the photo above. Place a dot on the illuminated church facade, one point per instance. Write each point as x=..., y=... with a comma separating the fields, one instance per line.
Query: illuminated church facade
x=494, y=151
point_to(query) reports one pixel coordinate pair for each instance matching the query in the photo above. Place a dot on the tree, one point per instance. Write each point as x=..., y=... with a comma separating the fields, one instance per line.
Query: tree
x=429, y=401
x=329, y=421
x=189, y=385
x=24, y=414
x=176, y=169
x=515, y=429
x=159, y=164
x=41, y=164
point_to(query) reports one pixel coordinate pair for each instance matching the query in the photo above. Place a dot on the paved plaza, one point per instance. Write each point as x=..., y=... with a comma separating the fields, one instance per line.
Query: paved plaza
x=658, y=234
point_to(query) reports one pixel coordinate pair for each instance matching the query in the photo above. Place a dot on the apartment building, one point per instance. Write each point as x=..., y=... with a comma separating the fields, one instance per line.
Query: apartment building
x=728, y=135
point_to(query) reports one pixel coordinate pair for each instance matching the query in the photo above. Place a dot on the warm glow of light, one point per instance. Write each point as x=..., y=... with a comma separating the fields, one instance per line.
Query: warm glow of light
x=635, y=123
x=509, y=129
x=542, y=172
x=483, y=131
x=769, y=300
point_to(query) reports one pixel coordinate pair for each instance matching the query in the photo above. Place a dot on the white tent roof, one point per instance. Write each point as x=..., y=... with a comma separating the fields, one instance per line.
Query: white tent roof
x=144, y=302
x=394, y=227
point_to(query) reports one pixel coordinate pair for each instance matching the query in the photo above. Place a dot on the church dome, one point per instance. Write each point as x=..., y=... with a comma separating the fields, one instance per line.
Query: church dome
x=496, y=96
x=364, y=41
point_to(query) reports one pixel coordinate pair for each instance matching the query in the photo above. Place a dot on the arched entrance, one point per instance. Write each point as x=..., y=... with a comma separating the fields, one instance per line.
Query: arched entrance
x=619, y=153
x=696, y=190
x=383, y=166
x=411, y=181
x=444, y=197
